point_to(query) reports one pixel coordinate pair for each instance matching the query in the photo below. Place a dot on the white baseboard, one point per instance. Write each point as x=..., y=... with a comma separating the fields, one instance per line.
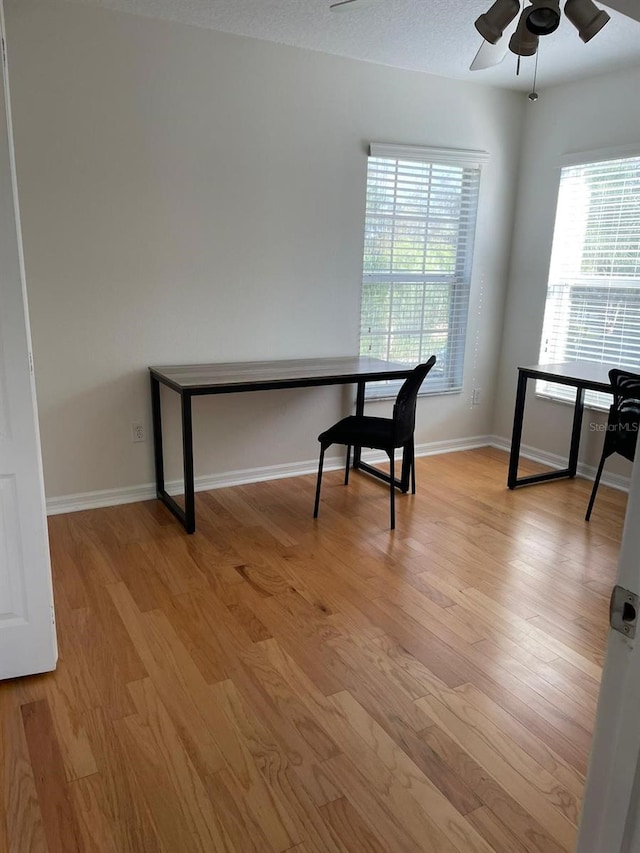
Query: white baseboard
x=553, y=460
x=133, y=494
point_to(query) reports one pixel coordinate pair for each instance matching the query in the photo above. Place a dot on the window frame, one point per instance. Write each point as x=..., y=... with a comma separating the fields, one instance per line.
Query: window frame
x=461, y=277
x=546, y=390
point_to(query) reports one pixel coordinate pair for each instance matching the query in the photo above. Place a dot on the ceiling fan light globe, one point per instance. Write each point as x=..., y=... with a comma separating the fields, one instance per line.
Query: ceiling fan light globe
x=543, y=22
x=523, y=42
x=492, y=24
x=521, y=47
x=543, y=17
x=586, y=18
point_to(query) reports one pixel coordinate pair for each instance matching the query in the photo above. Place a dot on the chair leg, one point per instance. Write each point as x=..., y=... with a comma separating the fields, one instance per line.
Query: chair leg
x=319, y=481
x=413, y=467
x=595, y=488
x=392, y=492
x=346, y=467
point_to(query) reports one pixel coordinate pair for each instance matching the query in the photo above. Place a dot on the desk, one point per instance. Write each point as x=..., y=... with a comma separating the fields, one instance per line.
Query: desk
x=581, y=375
x=197, y=380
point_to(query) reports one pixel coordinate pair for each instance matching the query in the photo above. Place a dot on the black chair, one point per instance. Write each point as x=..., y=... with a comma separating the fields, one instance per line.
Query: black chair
x=622, y=426
x=381, y=434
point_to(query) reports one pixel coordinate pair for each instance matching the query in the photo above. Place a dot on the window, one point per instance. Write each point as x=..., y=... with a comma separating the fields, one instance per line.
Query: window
x=593, y=298
x=418, y=246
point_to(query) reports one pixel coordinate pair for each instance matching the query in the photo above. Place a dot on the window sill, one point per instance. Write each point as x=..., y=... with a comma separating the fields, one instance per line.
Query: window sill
x=592, y=407
x=372, y=398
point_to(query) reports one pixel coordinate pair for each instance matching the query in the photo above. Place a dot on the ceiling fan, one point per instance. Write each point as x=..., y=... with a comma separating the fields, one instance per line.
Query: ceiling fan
x=506, y=26
x=539, y=18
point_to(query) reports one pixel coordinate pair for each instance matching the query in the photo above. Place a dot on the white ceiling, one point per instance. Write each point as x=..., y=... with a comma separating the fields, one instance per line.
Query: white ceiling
x=436, y=36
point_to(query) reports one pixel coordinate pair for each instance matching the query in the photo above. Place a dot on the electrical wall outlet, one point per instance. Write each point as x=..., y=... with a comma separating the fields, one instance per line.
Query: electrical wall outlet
x=476, y=397
x=138, y=432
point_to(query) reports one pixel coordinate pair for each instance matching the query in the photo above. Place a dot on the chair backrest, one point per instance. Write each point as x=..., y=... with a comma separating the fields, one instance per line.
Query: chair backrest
x=624, y=414
x=404, y=410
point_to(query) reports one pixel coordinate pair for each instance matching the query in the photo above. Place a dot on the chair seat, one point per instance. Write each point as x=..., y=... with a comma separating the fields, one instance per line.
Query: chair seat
x=362, y=431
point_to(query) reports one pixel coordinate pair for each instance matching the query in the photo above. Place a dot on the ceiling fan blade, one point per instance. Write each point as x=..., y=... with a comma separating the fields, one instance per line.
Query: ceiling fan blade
x=346, y=5
x=490, y=55
x=493, y=54
x=630, y=8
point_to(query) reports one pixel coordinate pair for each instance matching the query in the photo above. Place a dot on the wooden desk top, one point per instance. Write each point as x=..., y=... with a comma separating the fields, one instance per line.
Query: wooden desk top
x=579, y=374
x=264, y=375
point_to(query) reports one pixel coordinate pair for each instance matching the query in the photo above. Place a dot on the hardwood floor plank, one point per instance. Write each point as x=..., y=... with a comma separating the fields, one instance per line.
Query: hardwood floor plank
x=323, y=584
x=500, y=837
x=518, y=732
x=439, y=619
x=77, y=756
x=439, y=658
x=96, y=828
x=239, y=823
x=438, y=808
x=347, y=825
x=21, y=820
x=235, y=502
x=551, y=806
x=509, y=691
x=137, y=571
x=163, y=765
x=93, y=647
x=303, y=632
x=539, y=716
x=383, y=820
x=415, y=677
x=193, y=617
x=272, y=755
x=387, y=698
x=573, y=637
x=112, y=798
x=574, y=653
x=553, y=583
x=507, y=810
x=571, y=675
x=58, y=817
x=288, y=701
x=515, y=639
x=567, y=697
x=174, y=675
x=331, y=713
x=451, y=785
x=270, y=813
x=245, y=616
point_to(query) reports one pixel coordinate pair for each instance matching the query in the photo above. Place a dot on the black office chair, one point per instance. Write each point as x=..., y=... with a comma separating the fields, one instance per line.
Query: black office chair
x=623, y=423
x=380, y=434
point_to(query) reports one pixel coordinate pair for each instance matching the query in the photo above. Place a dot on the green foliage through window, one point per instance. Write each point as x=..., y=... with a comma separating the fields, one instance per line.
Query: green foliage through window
x=418, y=244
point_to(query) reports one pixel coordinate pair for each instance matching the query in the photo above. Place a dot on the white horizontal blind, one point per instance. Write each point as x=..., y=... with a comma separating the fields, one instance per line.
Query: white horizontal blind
x=418, y=247
x=593, y=297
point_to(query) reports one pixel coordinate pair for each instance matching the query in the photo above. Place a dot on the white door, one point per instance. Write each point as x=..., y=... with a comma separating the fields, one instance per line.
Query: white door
x=27, y=631
x=611, y=811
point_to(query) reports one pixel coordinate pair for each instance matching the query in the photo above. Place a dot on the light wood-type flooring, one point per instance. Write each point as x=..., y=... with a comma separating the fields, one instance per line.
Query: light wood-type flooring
x=277, y=684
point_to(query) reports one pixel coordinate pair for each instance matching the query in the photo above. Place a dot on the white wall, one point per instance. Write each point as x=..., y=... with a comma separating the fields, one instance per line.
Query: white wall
x=193, y=196
x=592, y=114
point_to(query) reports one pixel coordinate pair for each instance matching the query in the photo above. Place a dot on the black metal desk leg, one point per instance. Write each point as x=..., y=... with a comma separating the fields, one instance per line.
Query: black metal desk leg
x=357, y=451
x=516, y=437
x=187, y=454
x=575, y=432
x=156, y=417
